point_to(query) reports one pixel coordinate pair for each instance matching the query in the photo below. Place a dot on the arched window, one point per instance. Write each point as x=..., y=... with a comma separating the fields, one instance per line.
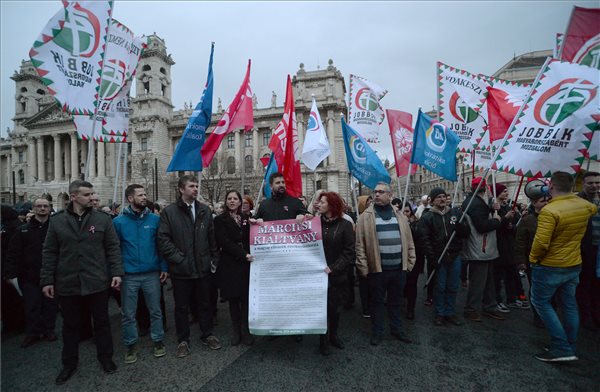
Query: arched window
x=231, y=165
x=41, y=92
x=23, y=89
x=21, y=177
x=163, y=71
x=146, y=87
x=146, y=68
x=248, y=164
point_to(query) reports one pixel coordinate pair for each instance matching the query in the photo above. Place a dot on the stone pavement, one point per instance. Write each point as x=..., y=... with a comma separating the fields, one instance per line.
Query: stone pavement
x=488, y=356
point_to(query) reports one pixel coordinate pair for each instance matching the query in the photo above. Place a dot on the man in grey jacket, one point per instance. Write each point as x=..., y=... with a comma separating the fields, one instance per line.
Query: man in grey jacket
x=186, y=239
x=81, y=259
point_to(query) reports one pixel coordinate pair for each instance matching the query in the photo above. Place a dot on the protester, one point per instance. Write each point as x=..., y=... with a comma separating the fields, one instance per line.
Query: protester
x=363, y=285
x=303, y=200
x=247, y=205
x=423, y=207
x=524, y=239
x=556, y=263
x=338, y=245
x=436, y=228
x=313, y=206
x=588, y=290
x=232, y=231
x=186, y=239
x=24, y=261
x=144, y=269
x=13, y=317
x=80, y=262
x=410, y=289
x=385, y=252
x=95, y=202
x=481, y=252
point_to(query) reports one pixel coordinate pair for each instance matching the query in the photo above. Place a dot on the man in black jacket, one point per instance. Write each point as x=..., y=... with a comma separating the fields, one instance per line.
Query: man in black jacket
x=24, y=261
x=186, y=239
x=436, y=228
x=281, y=205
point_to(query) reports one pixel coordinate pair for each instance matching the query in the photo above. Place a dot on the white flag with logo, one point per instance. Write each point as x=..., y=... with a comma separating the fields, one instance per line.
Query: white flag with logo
x=69, y=52
x=316, y=145
x=554, y=130
x=365, y=114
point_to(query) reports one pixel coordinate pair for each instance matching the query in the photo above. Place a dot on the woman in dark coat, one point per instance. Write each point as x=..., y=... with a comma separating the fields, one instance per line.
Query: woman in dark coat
x=232, y=232
x=410, y=288
x=338, y=245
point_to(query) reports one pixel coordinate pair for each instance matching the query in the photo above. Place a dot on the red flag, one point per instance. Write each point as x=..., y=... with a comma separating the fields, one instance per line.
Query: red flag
x=265, y=161
x=239, y=114
x=582, y=38
x=501, y=113
x=284, y=144
x=401, y=131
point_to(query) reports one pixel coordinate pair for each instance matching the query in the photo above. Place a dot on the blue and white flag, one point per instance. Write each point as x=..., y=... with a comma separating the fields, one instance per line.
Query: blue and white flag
x=316, y=146
x=187, y=154
x=271, y=168
x=434, y=147
x=363, y=163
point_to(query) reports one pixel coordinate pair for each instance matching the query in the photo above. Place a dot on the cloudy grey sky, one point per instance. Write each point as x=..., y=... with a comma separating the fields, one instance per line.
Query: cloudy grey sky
x=394, y=44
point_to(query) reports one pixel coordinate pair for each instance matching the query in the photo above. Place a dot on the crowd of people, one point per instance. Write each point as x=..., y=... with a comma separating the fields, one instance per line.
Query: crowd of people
x=75, y=259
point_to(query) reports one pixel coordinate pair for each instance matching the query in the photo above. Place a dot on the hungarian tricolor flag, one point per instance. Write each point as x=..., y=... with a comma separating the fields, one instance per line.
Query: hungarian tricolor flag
x=284, y=144
x=581, y=41
x=401, y=131
x=238, y=115
x=503, y=102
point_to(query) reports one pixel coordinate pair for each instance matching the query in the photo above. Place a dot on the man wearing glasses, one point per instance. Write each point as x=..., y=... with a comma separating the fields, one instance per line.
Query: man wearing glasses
x=385, y=252
x=24, y=261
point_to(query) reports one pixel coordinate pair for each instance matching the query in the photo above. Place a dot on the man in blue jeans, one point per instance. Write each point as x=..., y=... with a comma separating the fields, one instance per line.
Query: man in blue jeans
x=556, y=262
x=436, y=227
x=144, y=269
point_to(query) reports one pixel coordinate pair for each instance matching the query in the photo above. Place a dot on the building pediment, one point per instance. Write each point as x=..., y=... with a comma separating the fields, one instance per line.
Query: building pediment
x=48, y=115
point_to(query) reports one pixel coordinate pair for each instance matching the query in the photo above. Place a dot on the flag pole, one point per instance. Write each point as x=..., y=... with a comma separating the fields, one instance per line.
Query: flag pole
x=494, y=158
x=406, y=186
x=242, y=160
x=125, y=156
x=517, y=195
x=457, y=182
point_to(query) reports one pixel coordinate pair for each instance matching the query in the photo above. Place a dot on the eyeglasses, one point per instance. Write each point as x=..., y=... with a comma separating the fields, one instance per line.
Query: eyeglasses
x=379, y=191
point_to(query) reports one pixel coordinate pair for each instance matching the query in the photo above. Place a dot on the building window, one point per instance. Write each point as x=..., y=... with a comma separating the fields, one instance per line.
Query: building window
x=163, y=89
x=163, y=71
x=248, y=164
x=248, y=140
x=231, y=165
x=180, y=173
x=41, y=92
x=214, y=167
x=266, y=137
x=319, y=184
x=144, y=167
x=144, y=144
x=21, y=156
x=146, y=87
x=21, y=177
x=231, y=141
x=146, y=68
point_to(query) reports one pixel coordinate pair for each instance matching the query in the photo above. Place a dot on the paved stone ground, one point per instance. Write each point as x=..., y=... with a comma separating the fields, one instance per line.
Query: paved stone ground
x=488, y=356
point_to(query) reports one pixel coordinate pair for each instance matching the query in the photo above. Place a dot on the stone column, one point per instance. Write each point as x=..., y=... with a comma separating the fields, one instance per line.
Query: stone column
x=32, y=160
x=255, y=161
x=101, y=161
x=58, y=167
x=66, y=148
x=331, y=137
x=74, y=157
x=92, y=162
x=239, y=163
x=41, y=171
x=300, y=126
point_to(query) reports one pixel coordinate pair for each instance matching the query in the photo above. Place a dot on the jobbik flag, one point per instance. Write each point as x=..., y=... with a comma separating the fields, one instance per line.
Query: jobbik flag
x=401, y=132
x=365, y=114
x=270, y=169
x=69, y=53
x=316, y=146
x=556, y=126
x=581, y=42
x=363, y=163
x=503, y=102
x=434, y=147
x=285, y=146
x=239, y=114
x=461, y=96
x=121, y=57
x=187, y=154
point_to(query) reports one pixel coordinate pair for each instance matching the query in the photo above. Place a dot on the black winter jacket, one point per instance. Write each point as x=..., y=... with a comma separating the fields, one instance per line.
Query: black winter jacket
x=188, y=246
x=436, y=227
x=24, y=258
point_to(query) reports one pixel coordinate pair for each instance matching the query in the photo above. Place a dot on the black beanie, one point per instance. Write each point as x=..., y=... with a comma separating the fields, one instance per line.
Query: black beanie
x=435, y=192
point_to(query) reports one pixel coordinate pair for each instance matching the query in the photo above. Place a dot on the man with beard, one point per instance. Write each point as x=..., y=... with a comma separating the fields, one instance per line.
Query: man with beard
x=144, y=269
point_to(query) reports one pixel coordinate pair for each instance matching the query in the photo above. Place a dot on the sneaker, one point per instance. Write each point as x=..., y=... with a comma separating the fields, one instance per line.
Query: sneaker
x=518, y=304
x=502, y=308
x=473, y=316
x=131, y=356
x=183, y=350
x=493, y=314
x=159, y=350
x=454, y=320
x=212, y=342
x=548, y=356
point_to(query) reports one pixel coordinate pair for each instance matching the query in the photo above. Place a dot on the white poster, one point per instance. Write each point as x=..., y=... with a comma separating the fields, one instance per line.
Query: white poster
x=288, y=283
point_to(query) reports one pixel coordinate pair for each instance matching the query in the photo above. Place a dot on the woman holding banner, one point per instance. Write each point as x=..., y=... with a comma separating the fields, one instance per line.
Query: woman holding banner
x=232, y=232
x=338, y=245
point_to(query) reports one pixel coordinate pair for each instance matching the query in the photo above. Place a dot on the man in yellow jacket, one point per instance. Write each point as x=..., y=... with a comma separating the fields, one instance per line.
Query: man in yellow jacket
x=556, y=262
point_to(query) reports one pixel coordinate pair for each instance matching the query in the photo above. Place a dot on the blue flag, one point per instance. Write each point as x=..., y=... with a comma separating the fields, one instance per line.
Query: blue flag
x=434, y=147
x=363, y=163
x=271, y=168
x=187, y=154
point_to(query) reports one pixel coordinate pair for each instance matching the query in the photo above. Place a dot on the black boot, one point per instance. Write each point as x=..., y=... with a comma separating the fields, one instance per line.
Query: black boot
x=236, y=322
x=323, y=345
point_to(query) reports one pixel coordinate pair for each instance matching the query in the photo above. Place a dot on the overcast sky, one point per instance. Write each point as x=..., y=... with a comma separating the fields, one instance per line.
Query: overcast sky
x=394, y=44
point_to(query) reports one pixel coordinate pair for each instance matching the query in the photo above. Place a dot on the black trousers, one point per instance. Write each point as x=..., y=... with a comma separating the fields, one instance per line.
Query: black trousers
x=40, y=311
x=71, y=307
x=410, y=289
x=588, y=290
x=183, y=292
x=510, y=275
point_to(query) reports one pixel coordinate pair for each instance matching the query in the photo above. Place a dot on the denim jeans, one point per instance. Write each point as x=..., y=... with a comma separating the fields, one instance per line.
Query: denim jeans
x=545, y=282
x=149, y=283
x=446, y=287
x=380, y=283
